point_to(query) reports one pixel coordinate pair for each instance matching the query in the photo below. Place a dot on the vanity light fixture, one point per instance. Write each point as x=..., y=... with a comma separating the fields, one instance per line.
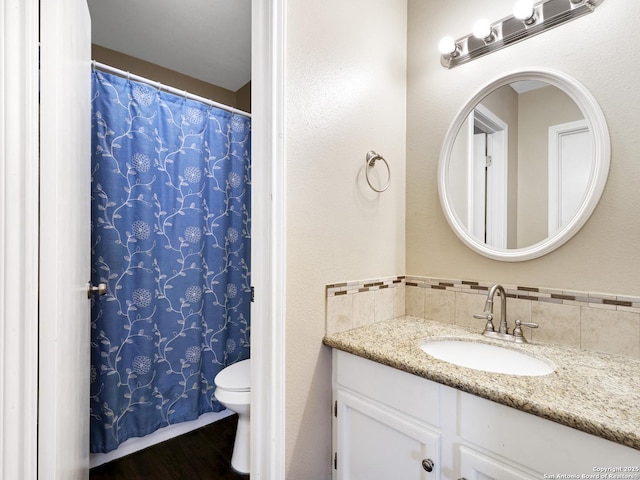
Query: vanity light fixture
x=482, y=30
x=524, y=11
x=448, y=46
x=528, y=19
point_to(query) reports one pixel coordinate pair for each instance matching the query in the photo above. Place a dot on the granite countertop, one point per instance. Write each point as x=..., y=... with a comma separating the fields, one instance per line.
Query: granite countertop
x=589, y=391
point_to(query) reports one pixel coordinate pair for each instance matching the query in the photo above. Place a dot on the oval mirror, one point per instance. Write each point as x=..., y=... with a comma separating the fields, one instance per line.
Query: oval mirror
x=523, y=165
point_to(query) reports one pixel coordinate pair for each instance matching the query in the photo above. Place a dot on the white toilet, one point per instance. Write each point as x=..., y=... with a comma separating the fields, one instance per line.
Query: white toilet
x=233, y=391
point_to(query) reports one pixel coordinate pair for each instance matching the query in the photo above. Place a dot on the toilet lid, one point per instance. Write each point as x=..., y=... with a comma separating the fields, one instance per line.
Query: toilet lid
x=236, y=377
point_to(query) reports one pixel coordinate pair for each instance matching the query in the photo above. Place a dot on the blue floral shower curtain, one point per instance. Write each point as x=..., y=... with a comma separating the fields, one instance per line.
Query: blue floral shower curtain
x=171, y=239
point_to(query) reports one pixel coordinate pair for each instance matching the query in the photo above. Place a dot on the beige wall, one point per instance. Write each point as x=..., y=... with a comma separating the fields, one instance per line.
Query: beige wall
x=157, y=73
x=604, y=255
x=539, y=109
x=243, y=98
x=345, y=95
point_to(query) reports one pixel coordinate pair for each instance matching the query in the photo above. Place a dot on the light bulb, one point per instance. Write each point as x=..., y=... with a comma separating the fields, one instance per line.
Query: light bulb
x=482, y=29
x=447, y=46
x=523, y=10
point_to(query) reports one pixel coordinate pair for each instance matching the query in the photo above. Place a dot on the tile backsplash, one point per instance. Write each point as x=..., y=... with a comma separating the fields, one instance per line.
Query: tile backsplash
x=355, y=304
x=591, y=321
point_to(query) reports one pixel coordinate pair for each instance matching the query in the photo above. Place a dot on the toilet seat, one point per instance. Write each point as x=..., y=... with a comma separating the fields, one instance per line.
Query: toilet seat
x=236, y=377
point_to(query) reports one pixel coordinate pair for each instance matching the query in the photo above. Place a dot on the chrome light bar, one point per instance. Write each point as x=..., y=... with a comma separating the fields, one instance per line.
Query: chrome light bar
x=544, y=15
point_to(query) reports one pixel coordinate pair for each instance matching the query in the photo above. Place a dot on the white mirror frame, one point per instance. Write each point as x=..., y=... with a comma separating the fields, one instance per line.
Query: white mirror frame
x=601, y=150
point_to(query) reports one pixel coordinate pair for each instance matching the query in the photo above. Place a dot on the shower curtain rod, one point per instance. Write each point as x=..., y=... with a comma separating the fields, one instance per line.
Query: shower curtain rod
x=175, y=91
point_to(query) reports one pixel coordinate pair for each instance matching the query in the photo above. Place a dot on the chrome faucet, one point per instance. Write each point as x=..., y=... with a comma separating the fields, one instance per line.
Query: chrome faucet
x=503, y=330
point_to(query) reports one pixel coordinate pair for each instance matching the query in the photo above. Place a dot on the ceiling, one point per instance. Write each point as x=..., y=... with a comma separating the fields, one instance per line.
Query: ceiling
x=526, y=85
x=206, y=39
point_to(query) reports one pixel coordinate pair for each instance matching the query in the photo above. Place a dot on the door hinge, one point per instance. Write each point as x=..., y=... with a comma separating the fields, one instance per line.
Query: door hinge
x=489, y=160
x=335, y=460
x=253, y=294
x=335, y=408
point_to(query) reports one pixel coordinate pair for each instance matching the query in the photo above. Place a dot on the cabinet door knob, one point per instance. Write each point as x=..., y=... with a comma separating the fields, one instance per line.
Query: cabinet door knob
x=427, y=464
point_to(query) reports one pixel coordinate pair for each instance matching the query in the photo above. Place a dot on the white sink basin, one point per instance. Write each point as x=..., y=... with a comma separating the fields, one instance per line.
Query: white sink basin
x=486, y=357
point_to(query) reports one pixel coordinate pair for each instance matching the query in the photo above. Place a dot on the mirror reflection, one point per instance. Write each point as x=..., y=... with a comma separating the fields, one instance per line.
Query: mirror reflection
x=520, y=165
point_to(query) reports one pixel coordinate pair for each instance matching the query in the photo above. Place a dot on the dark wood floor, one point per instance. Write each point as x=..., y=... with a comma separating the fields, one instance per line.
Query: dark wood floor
x=203, y=454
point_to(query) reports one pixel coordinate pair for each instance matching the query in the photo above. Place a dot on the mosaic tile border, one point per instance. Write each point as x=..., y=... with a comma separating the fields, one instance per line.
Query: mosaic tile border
x=359, y=286
x=537, y=294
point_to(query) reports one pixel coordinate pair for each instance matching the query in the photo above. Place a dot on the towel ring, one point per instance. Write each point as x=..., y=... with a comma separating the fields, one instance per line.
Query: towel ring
x=372, y=157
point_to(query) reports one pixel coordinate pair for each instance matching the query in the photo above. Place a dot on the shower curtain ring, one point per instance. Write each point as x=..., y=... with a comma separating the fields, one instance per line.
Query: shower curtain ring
x=371, y=159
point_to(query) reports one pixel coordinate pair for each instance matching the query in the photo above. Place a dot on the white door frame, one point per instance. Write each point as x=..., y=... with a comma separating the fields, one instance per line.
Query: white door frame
x=497, y=186
x=268, y=241
x=19, y=244
x=19, y=26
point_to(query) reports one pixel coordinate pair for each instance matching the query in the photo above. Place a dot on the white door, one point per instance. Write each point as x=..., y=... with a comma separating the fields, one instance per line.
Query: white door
x=65, y=109
x=571, y=163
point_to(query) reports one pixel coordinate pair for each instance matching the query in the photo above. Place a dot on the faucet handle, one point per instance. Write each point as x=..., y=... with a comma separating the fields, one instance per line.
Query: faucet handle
x=517, y=331
x=488, y=316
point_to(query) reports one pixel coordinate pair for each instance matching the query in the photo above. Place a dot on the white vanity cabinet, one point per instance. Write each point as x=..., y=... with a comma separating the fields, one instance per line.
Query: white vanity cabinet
x=385, y=423
x=388, y=423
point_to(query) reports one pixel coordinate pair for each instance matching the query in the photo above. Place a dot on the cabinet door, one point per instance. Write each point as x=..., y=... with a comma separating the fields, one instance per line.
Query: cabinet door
x=374, y=442
x=476, y=466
